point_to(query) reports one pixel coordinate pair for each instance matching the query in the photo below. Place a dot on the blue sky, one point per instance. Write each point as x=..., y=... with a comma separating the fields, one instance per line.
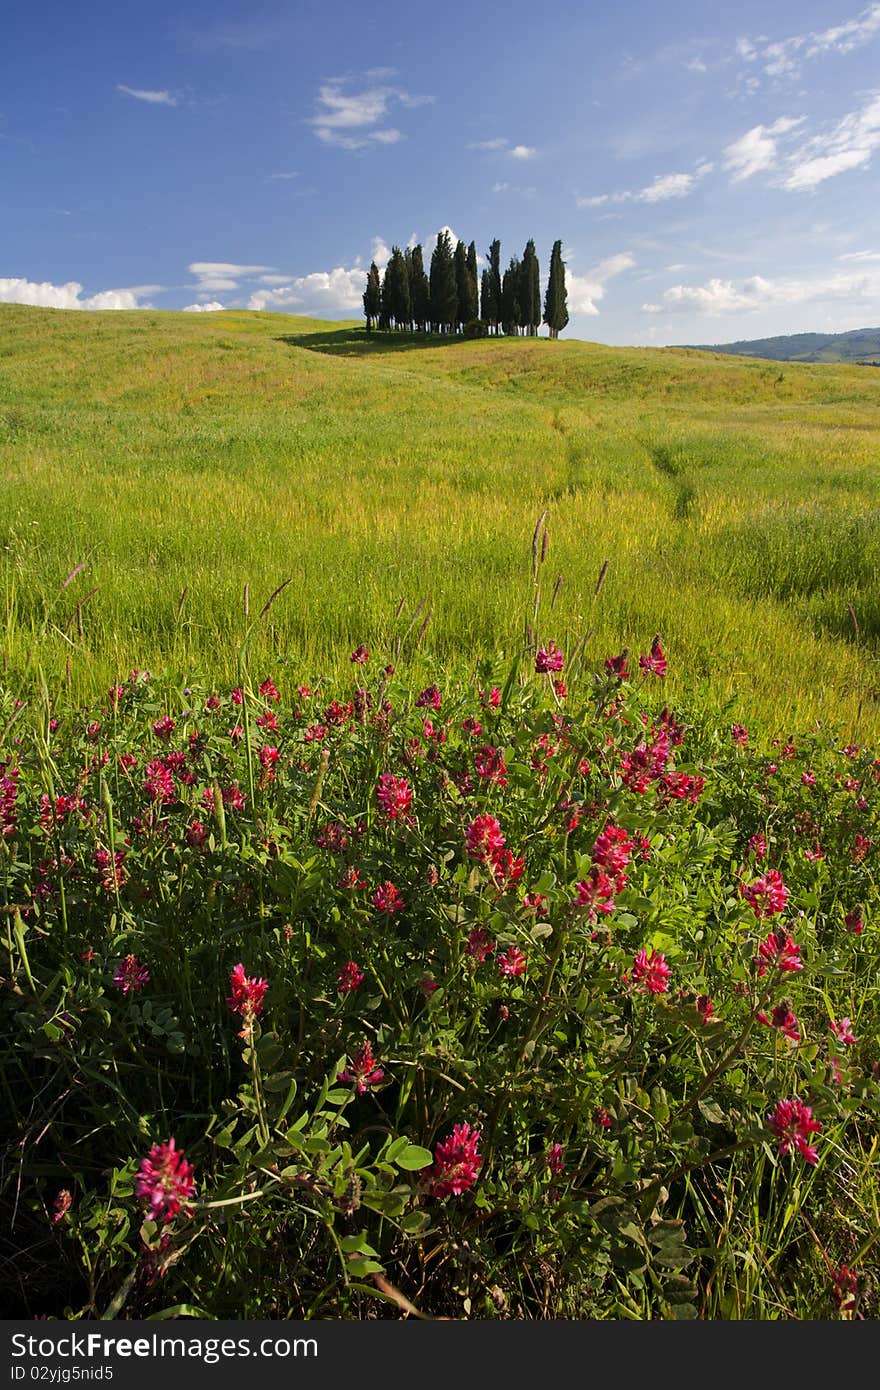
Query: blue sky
x=711, y=169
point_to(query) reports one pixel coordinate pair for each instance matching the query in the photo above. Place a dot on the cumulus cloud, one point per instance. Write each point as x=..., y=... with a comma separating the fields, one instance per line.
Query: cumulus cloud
x=210, y=308
x=354, y=120
x=717, y=298
x=162, y=98
x=586, y=291
x=67, y=296
x=522, y=152
x=317, y=293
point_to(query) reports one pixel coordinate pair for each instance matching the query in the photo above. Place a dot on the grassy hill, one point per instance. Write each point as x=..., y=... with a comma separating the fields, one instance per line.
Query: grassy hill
x=182, y=457
x=859, y=345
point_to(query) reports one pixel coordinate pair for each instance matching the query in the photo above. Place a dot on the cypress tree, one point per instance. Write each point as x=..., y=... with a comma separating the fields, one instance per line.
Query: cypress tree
x=461, y=285
x=511, y=314
x=556, y=298
x=397, y=289
x=384, y=308
x=485, y=298
x=372, y=296
x=419, y=290
x=495, y=315
x=444, y=294
x=474, y=284
x=530, y=290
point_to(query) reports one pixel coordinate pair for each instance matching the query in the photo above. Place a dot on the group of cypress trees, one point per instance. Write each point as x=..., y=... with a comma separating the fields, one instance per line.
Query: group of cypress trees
x=449, y=298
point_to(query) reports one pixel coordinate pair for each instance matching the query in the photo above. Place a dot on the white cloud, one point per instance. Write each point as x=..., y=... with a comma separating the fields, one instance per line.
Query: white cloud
x=522, y=152
x=719, y=297
x=353, y=120
x=757, y=150
x=585, y=291
x=67, y=296
x=667, y=186
x=860, y=256
x=317, y=293
x=223, y=275
x=785, y=58
x=210, y=308
x=498, y=144
x=380, y=253
x=847, y=145
x=154, y=98
x=664, y=186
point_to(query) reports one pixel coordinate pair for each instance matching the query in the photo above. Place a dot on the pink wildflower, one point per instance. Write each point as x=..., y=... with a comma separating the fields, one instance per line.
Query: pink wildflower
x=843, y=1031
x=597, y=893
x=394, y=795
x=246, y=995
x=855, y=922
x=549, y=658
x=612, y=849
x=430, y=698
x=739, y=734
x=479, y=944
x=483, y=838
x=655, y=664
x=779, y=951
x=616, y=666
x=490, y=765
x=387, y=899
x=767, y=895
x=130, y=976
x=360, y=656
x=164, y=727
x=457, y=1162
x=512, y=962
x=792, y=1123
x=555, y=1160
x=164, y=1181
x=651, y=973
x=350, y=977
x=61, y=1206
x=159, y=782
x=268, y=690
x=363, y=1071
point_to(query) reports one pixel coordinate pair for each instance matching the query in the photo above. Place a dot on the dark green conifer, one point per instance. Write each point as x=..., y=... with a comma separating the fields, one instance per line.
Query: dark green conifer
x=494, y=304
x=444, y=293
x=511, y=313
x=530, y=290
x=419, y=290
x=556, y=298
x=372, y=296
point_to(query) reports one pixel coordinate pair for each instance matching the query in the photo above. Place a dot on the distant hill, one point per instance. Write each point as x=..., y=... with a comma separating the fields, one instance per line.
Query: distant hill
x=859, y=345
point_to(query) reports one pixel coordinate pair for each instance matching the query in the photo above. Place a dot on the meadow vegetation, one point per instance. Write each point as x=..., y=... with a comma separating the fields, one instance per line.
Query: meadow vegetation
x=439, y=802
x=179, y=458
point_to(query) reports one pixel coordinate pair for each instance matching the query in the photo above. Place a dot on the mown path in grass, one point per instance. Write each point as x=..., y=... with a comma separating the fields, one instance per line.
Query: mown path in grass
x=182, y=457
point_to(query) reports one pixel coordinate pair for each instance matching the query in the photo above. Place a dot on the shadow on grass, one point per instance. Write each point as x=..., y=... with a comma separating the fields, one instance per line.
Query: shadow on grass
x=357, y=342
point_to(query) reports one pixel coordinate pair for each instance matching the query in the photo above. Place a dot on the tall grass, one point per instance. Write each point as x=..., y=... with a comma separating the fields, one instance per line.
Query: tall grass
x=735, y=500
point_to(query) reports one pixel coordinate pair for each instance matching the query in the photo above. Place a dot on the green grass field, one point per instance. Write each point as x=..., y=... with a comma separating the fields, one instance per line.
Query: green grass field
x=181, y=457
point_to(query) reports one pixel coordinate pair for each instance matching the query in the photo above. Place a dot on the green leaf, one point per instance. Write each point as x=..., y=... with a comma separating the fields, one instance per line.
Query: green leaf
x=358, y=1268
x=712, y=1112
x=413, y=1158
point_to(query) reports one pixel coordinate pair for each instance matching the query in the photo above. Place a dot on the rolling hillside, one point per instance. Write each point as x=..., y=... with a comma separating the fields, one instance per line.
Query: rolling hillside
x=179, y=458
x=859, y=345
